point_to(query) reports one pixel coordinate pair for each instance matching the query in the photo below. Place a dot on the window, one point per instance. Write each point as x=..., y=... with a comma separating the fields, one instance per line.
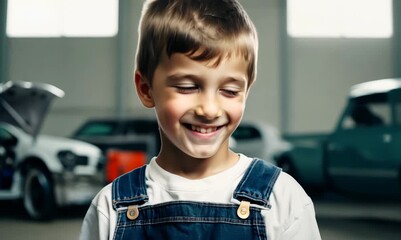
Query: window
x=340, y=18
x=368, y=115
x=97, y=129
x=396, y=95
x=62, y=18
x=142, y=127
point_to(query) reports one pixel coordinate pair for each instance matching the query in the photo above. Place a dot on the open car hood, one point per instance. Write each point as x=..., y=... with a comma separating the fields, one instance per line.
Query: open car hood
x=25, y=104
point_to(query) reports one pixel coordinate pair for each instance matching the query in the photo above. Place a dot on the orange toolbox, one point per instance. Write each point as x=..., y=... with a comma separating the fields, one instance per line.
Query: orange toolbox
x=122, y=161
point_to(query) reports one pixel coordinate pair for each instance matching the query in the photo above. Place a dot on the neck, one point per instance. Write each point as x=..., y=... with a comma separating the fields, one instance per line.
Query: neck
x=182, y=164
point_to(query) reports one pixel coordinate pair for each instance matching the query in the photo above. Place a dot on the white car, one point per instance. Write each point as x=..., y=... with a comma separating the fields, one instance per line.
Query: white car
x=45, y=171
x=259, y=139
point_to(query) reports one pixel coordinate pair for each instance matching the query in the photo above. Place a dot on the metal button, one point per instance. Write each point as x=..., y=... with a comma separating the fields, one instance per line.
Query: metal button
x=243, y=210
x=132, y=212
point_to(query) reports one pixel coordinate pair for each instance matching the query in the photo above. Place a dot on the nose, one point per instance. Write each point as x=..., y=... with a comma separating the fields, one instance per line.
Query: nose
x=209, y=107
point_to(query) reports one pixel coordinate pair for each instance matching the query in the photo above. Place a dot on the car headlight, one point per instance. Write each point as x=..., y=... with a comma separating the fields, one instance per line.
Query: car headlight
x=69, y=159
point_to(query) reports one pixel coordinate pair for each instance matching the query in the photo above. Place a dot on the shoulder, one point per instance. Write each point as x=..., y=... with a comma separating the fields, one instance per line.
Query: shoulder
x=287, y=187
x=96, y=224
x=288, y=193
x=102, y=202
x=290, y=203
x=293, y=210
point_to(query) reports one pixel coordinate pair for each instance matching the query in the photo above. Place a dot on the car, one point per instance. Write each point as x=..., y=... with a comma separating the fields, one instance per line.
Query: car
x=46, y=172
x=127, y=143
x=129, y=134
x=362, y=155
x=259, y=139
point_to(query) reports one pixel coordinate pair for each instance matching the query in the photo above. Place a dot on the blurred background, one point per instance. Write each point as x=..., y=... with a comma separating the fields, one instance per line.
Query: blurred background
x=311, y=53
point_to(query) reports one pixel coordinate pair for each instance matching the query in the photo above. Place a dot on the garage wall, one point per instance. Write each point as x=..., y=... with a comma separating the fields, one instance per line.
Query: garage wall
x=321, y=71
x=263, y=102
x=84, y=68
x=96, y=73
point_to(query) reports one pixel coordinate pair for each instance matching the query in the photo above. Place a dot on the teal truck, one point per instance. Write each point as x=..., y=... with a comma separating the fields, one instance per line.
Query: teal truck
x=362, y=156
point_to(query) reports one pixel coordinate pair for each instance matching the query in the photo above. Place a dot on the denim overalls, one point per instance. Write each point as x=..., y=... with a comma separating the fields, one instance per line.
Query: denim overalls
x=194, y=220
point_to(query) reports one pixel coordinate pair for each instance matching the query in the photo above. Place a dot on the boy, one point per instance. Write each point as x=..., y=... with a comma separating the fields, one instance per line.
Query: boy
x=196, y=62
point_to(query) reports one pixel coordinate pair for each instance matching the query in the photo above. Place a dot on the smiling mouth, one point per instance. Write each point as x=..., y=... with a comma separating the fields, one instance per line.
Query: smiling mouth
x=201, y=129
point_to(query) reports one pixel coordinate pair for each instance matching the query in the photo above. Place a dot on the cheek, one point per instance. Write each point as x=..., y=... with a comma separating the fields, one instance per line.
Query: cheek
x=170, y=111
x=235, y=109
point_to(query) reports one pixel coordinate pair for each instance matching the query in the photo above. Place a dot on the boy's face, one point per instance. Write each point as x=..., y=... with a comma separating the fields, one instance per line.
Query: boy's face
x=198, y=106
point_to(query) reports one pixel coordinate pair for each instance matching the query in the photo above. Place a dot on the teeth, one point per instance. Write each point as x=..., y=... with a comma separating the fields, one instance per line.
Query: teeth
x=203, y=130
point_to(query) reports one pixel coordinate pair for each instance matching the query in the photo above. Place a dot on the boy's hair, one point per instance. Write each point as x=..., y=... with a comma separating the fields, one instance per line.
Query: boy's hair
x=204, y=30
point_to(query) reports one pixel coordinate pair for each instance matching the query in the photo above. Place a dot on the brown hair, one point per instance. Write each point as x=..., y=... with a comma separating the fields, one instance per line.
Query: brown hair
x=202, y=29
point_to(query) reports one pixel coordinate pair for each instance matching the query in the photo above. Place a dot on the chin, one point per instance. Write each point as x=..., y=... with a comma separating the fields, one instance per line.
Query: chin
x=206, y=153
x=197, y=154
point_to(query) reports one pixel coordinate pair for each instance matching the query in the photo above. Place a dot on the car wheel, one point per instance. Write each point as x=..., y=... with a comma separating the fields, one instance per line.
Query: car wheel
x=38, y=195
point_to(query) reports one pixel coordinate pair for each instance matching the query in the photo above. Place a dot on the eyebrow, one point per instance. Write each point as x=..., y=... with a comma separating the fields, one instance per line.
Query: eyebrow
x=175, y=77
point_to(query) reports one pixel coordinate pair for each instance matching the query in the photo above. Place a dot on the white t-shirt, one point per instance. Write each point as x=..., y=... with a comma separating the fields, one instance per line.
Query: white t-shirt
x=291, y=216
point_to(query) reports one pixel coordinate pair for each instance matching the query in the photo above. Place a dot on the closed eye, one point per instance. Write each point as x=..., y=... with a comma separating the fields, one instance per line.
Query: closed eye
x=229, y=93
x=187, y=89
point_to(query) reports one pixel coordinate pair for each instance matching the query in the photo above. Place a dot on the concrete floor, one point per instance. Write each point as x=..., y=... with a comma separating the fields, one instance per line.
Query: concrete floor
x=351, y=219
x=338, y=218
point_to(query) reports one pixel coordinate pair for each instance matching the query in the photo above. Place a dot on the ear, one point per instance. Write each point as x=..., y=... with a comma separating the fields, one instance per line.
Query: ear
x=144, y=90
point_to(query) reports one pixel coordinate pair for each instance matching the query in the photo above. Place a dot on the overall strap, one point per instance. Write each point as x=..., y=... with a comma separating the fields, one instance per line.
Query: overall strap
x=257, y=183
x=130, y=188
